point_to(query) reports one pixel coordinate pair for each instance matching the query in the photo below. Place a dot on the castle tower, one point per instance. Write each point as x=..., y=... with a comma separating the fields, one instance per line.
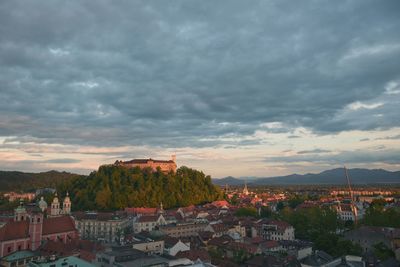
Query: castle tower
x=35, y=229
x=55, y=206
x=67, y=205
x=20, y=213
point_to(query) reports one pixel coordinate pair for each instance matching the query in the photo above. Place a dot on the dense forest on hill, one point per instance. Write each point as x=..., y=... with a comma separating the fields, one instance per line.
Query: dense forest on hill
x=24, y=181
x=114, y=187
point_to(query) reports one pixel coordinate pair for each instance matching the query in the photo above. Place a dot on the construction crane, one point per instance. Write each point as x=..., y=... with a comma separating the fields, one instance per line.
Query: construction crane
x=353, y=206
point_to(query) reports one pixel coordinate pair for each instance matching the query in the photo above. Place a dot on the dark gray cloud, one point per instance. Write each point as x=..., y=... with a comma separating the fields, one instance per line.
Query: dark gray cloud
x=314, y=151
x=62, y=161
x=178, y=73
x=393, y=137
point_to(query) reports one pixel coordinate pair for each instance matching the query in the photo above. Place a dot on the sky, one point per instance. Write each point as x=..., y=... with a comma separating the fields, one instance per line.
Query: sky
x=241, y=88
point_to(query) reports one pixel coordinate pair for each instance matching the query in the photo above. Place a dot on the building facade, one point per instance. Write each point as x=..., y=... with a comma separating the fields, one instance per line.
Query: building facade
x=183, y=229
x=101, y=226
x=150, y=222
x=165, y=165
x=275, y=230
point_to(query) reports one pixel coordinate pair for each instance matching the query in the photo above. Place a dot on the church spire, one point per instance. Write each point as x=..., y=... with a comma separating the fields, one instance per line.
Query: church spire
x=245, y=190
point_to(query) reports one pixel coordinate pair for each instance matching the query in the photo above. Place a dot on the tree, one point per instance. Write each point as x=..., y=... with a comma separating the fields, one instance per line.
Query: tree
x=246, y=212
x=265, y=212
x=103, y=198
x=382, y=252
x=116, y=187
x=280, y=206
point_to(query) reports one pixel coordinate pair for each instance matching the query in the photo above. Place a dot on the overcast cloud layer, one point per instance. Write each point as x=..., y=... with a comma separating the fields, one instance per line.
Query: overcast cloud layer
x=166, y=76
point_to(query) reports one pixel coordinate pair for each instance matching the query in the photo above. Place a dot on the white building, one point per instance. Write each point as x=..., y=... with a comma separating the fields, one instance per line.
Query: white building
x=101, y=226
x=275, y=230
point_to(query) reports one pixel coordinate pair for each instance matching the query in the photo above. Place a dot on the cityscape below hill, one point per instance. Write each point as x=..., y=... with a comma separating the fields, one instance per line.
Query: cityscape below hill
x=333, y=176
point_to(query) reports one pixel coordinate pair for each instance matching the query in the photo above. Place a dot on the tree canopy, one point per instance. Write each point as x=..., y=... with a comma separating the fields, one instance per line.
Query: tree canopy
x=116, y=187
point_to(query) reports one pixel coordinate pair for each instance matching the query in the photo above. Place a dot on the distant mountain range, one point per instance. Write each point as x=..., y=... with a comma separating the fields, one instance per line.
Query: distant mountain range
x=334, y=176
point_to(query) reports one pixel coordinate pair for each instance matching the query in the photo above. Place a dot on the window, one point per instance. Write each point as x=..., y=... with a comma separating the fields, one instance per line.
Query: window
x=9, y=249
x=19, y=247
x=38, y=219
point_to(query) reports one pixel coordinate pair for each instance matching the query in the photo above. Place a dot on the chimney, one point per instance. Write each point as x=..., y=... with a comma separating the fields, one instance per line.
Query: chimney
x=173, y=158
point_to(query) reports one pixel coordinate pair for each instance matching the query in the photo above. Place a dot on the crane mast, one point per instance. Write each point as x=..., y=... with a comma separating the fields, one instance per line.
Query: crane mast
x=353, y=206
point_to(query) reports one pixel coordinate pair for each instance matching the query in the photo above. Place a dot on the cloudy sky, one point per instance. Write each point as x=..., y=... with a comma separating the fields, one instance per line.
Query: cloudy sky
x=242, y=88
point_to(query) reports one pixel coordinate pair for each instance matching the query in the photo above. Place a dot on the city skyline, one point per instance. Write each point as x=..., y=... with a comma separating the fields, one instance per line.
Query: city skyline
x=247, y=89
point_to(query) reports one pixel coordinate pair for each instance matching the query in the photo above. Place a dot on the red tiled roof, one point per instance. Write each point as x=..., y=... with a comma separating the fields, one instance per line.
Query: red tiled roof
x=14, y=230
x=148, y=218
x=270, y=244
x=249, y=248
x=257, y=240
x=86, y=249
x=193, y=255
x=58, y=225
x=219, y=227
x=170, y=241
x=220, y=241
x=141, y=210
x=99, y=216
x=206, y=235
x=220, y=203
x=281, y=225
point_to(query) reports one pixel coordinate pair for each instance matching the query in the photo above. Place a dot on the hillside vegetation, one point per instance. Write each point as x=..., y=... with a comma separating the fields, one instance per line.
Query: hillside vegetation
x=24, y=181
x=115, y=187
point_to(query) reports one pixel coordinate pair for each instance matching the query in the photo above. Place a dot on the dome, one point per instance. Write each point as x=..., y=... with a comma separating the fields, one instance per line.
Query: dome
x=42, y=204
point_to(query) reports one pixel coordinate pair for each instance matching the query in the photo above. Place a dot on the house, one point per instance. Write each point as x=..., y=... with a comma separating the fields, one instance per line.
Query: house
x=174, y=245
x=147, y=223
x=275, y=230
x=368, y=236
x=149, y=246
x=299, y=249
x=219, y=229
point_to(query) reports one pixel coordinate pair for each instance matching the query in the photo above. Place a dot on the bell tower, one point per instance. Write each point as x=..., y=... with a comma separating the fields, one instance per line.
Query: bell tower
x=67, y=205
x=20, y=213
x=35, y=229
x=55, y=206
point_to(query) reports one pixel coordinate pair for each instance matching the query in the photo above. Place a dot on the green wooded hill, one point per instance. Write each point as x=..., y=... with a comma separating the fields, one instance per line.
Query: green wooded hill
x=24, y=181
x=115, y=187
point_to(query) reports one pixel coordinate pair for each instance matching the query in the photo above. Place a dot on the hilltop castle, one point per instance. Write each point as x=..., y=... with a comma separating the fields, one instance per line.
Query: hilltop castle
x=165, y=165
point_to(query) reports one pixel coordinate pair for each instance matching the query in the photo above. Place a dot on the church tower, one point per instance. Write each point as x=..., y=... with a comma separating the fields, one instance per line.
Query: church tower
x=55, y=206
x=67, y=205
x=245, y=190
x=20, y=213
x=35, y=230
